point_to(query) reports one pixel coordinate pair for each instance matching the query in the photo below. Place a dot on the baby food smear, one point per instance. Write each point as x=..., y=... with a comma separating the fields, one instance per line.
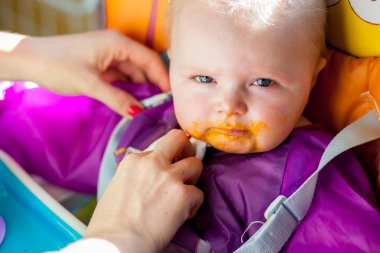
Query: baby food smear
x=233, y=138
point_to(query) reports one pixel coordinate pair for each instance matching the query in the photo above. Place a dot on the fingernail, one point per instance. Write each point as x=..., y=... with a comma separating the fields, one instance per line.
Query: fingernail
x=133, y=110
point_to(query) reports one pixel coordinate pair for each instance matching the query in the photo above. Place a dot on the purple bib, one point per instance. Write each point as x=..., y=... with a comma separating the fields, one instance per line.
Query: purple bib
x=60, y=138
x=63, y=138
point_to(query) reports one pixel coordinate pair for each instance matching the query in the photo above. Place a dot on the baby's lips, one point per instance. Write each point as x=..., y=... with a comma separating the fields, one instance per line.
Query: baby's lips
x=133, y=110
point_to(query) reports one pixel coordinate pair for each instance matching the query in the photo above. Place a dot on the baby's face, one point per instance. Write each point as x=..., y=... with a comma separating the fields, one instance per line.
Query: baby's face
x=239, y=90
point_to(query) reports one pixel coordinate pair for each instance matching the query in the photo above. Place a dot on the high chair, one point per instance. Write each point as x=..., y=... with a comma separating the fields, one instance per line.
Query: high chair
x=348, y=87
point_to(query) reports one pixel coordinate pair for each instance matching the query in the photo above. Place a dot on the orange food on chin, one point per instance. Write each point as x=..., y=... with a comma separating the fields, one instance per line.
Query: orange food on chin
x=231, y=138
x=231, y=141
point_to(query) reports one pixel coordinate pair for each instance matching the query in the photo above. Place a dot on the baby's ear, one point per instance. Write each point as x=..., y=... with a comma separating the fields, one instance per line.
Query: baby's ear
x=321, y=63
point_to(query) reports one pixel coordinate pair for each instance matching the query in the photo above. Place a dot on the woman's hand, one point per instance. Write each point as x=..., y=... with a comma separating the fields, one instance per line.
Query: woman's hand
x=150, y=197
x=83, y=63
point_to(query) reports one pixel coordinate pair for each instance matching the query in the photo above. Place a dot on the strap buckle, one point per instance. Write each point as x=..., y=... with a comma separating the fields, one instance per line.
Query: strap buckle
x=274, y=206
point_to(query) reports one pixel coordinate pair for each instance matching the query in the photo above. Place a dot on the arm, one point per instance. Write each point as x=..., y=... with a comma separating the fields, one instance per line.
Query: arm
x=82, y=63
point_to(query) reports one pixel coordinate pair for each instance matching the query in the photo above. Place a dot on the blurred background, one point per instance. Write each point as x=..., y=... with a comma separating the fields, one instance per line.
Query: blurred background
x=50, y=17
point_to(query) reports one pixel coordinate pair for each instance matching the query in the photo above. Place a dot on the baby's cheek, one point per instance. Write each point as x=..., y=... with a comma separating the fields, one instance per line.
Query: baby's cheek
x=195, y=130
x=256, y=128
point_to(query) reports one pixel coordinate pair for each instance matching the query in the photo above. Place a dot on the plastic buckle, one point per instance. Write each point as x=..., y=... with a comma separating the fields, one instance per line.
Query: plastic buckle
x=274, y=206
x=156, y=100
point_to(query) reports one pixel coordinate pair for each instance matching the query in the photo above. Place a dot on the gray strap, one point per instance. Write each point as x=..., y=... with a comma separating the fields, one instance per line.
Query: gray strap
x=108, y=163
x=284, y=214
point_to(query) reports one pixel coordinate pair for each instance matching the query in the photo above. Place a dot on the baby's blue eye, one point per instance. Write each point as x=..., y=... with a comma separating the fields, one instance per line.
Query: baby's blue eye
x=263, y=82
x=204, y=79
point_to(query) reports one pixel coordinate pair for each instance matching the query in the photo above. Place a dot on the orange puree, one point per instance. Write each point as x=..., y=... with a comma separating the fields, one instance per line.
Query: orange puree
x=234, y=138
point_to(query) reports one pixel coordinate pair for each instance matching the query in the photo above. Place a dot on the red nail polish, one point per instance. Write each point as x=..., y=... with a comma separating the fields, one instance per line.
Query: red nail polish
x=133, y=110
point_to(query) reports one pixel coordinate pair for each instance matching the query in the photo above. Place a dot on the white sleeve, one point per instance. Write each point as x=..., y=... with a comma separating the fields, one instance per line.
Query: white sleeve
x=93, y=245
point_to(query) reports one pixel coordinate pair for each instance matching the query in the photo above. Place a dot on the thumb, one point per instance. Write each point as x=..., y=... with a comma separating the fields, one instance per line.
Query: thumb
x=115, y=98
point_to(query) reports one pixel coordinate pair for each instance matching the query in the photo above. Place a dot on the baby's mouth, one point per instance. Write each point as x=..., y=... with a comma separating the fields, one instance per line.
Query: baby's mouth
x=232, y=131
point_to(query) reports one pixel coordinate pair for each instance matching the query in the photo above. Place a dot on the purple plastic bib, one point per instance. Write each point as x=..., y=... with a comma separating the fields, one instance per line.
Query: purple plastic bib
x=60, y=138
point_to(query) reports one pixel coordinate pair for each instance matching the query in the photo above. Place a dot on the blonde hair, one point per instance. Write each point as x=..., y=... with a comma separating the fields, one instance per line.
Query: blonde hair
x=259, y=14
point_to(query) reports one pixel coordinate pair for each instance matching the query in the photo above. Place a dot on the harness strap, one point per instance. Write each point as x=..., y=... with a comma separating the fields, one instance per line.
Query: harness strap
x=108, y=164
x=284, y=214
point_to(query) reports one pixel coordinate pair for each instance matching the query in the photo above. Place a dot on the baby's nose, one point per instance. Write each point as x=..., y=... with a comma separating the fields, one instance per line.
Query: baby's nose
x=231, y=104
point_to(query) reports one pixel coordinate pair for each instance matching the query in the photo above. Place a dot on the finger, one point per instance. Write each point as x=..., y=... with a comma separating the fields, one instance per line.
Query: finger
x=134, y=73
x=195, y=200
x=188, y=151
x=173, y=144
x=115, y=98
x=150, y=62
x=188, y=170
x=113, y=75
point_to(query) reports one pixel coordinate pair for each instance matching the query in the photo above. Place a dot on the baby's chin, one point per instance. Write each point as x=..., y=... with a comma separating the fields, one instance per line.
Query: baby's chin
x=240, y=145
x=235, y=150
x=236, y=146
x=239, y=149
x=235, y=142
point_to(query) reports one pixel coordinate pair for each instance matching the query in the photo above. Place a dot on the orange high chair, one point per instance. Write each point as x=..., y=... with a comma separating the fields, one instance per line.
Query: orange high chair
x=349, y=86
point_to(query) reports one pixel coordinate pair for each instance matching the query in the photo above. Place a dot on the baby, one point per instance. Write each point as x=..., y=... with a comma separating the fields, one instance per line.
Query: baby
x=241, y=73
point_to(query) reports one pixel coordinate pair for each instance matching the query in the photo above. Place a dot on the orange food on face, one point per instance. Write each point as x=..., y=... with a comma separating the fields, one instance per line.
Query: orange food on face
x=232, y=138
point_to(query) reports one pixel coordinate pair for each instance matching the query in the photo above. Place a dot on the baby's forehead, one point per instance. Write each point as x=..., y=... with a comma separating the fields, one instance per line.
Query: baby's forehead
x=300, y=18
x=255, y=12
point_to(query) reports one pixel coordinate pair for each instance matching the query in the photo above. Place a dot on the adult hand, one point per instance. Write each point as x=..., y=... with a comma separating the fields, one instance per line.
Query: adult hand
x=151, y=195
x=84, y=63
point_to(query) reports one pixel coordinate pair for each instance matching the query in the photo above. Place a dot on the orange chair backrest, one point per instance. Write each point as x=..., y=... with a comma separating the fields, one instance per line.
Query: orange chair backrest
x=142, y=20
x=353, y=25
